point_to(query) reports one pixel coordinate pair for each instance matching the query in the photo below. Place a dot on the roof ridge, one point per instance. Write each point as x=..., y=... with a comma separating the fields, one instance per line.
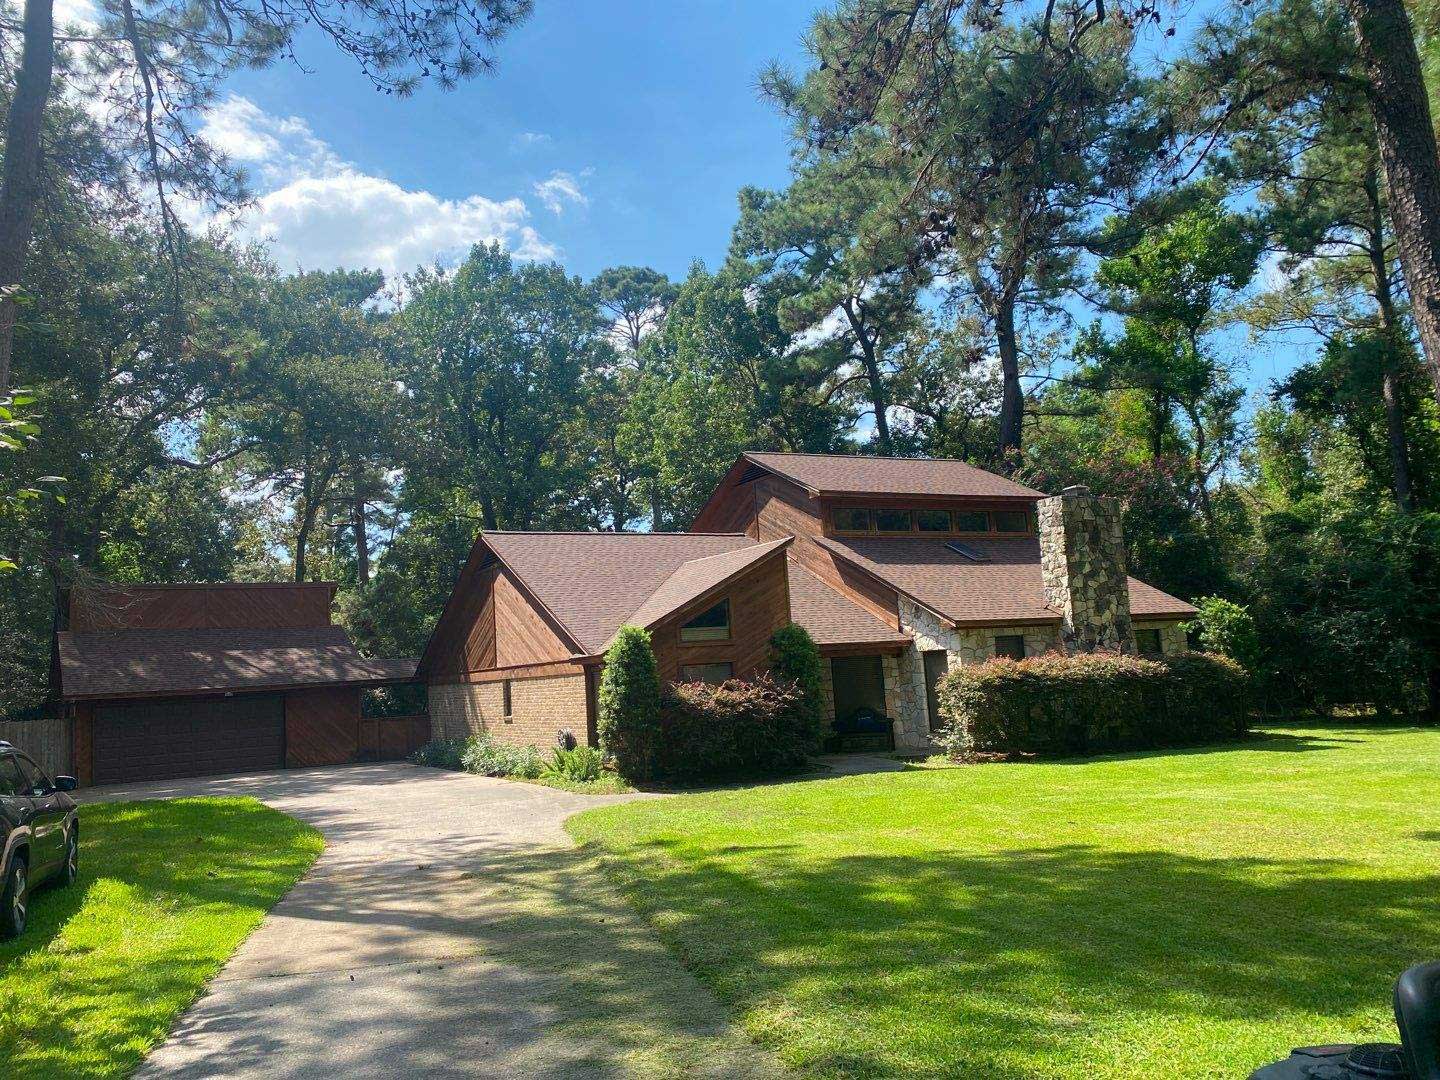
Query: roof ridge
x=866, y=457
x=596, y=532
x=722, y=555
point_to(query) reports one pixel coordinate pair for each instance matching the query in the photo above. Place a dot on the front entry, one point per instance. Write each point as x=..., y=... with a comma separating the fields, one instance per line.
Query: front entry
x=860, y=719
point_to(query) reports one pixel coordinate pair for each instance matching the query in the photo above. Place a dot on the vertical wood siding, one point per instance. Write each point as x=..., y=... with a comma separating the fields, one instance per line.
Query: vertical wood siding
x=759, y=605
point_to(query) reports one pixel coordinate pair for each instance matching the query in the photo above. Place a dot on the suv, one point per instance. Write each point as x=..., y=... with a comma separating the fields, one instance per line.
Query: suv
x=39, y=834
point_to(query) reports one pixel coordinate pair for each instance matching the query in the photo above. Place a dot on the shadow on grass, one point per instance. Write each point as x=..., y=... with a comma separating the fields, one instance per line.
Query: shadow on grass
x=1021, y=963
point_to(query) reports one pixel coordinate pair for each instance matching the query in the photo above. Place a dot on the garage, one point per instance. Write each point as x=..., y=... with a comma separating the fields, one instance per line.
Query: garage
x=168, y=681
x=165, y=740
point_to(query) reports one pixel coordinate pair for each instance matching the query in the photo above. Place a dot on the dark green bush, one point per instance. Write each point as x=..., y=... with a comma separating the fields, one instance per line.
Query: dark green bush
x=440, y=753
x=1057, y=705
x=629, y=720
x=795, y=658
x=735, y=729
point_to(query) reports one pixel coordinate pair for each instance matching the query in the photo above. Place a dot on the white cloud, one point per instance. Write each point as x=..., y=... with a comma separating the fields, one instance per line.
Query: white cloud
x=80, y=13
x=561, y=188
x=318, y=211
x=527, y=139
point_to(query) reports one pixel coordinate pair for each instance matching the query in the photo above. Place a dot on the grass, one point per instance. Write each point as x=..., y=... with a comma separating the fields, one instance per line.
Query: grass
x=1165, y=915
x=167, y=891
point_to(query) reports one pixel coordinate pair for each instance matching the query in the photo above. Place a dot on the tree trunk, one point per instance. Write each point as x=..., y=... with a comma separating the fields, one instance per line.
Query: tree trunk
x=878, y=399
x=1012, y=398
x=1408, y=154
x=362, y=542
x=1394, y=339
x=20, y=188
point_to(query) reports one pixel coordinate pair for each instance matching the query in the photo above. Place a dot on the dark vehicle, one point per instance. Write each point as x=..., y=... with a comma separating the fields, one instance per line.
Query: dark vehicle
x=40, y=830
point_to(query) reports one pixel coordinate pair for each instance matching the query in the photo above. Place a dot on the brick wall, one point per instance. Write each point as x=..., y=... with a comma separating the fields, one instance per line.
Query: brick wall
x=540, y=707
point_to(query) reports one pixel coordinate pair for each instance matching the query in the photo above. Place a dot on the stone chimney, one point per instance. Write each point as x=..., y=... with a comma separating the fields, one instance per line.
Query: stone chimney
x=1082, y=562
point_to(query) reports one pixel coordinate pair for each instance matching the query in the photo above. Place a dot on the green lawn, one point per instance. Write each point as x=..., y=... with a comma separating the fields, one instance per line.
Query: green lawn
x=167, y=891
x=1162, y=915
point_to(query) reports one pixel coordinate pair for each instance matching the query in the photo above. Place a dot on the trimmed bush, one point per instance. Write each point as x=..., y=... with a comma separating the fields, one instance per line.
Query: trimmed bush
x=485, y=757
x=795, y=658
x=1057, y=705
x=734, y=729
x=629, y=720
x=440, y=753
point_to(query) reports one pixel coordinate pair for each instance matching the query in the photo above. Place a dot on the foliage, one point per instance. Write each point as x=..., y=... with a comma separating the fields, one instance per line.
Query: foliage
x=579, y=765
x=168, y=890
x=738, y=728
x=629, y=704
x=407, y=699
x=1227, y=628
x=1091, y=703
x=441, y=754
x=486, y=757
x=795, y=658
x=1225, y=883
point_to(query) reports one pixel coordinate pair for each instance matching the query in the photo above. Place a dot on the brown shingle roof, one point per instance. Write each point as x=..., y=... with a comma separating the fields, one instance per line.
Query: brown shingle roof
x=1006, y=587
x=697, y=577
x=839, y=474
x=117, y=663
x=833, y=619
x=594, y=582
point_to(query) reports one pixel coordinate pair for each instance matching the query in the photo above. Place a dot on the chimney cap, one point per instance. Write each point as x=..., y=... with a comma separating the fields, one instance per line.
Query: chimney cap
x=1076, y=490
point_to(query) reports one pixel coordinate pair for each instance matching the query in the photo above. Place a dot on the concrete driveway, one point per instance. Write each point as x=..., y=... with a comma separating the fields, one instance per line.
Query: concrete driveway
x=450, y=928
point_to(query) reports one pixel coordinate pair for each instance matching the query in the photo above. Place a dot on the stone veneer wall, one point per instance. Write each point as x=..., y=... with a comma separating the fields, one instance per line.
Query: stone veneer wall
x=1172, y=636
x=539, y=709
x=1082, y=564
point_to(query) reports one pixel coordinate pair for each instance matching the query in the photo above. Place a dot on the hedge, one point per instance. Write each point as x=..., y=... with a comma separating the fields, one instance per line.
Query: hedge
x=733, y=729
x=1057, y=705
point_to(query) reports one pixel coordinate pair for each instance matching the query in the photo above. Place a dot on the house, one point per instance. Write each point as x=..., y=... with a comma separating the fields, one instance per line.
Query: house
x=165, y=681
x=898, y=568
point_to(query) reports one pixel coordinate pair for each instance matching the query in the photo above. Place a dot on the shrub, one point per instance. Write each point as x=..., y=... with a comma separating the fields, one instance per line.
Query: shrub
x=1092, y=703
x=440, y=753
x=629, y=720
x=734, y=729
x=580, y=765
x=1229, y=629
x=795, y=658
x=485, y=757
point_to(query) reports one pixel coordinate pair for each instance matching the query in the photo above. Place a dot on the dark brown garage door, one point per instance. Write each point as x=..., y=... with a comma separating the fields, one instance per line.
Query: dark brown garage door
x=163, y=740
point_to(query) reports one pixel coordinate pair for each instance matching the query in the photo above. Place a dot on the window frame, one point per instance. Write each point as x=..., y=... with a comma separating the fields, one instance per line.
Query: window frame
x=729, y=665
x=991, y=517
x=910, y=528
x=1159, y=639
x=1028, y=527
x=949, y=519
x=995, y=646
x=727, y=631
x=866, y=510
x=986, y=514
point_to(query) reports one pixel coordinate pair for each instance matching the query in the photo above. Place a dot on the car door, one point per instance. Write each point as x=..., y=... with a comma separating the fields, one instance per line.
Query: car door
x=48, y=846
x=16, y=806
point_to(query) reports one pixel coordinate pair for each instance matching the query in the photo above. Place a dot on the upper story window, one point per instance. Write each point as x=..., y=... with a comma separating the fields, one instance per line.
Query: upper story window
x=934, y=521
x=972, y=521
x=1012, y=521
x=852, y=519
x=710, y=625
x=894, y=521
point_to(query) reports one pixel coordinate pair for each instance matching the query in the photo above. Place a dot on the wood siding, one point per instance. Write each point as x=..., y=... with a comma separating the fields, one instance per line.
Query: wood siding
x=200, y=607
x=392, y=738
x=523, y=633
x=49, y=742
x=465, y=639
x=322, y=727
x=759, y=605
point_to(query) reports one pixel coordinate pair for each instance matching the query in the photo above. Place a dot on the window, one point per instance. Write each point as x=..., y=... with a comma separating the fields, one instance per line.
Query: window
x=933, y=520
x=1010, y=645
x=710, y=625
x=851, y=519
x=892, y=521
x=714, y=674
x=36, y=782
x=1012, y=521
x=972, y=521
x=11, y=782
x=1148, y=642
x=937, y=663
x=509, y=703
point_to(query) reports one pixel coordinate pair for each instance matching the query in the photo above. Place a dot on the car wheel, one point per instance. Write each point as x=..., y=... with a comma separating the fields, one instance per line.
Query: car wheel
x=71, y=870
x=15, y=901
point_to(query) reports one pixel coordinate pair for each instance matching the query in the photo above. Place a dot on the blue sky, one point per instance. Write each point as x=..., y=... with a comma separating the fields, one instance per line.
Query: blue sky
x=611, y=133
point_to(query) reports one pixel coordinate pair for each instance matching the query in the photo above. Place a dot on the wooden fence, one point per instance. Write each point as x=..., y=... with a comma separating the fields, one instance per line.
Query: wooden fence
x=392, y=738
x=47, y=741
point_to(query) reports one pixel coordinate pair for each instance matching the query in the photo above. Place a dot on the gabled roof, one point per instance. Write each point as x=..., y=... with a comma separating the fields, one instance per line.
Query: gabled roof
x=695, y=578
x=842, y=474
x=833, y=619
x=1006, y=587
x=149, y=663
x=594, y=583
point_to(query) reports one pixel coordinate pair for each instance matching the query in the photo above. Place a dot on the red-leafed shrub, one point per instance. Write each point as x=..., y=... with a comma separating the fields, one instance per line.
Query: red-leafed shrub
x=734, y=729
